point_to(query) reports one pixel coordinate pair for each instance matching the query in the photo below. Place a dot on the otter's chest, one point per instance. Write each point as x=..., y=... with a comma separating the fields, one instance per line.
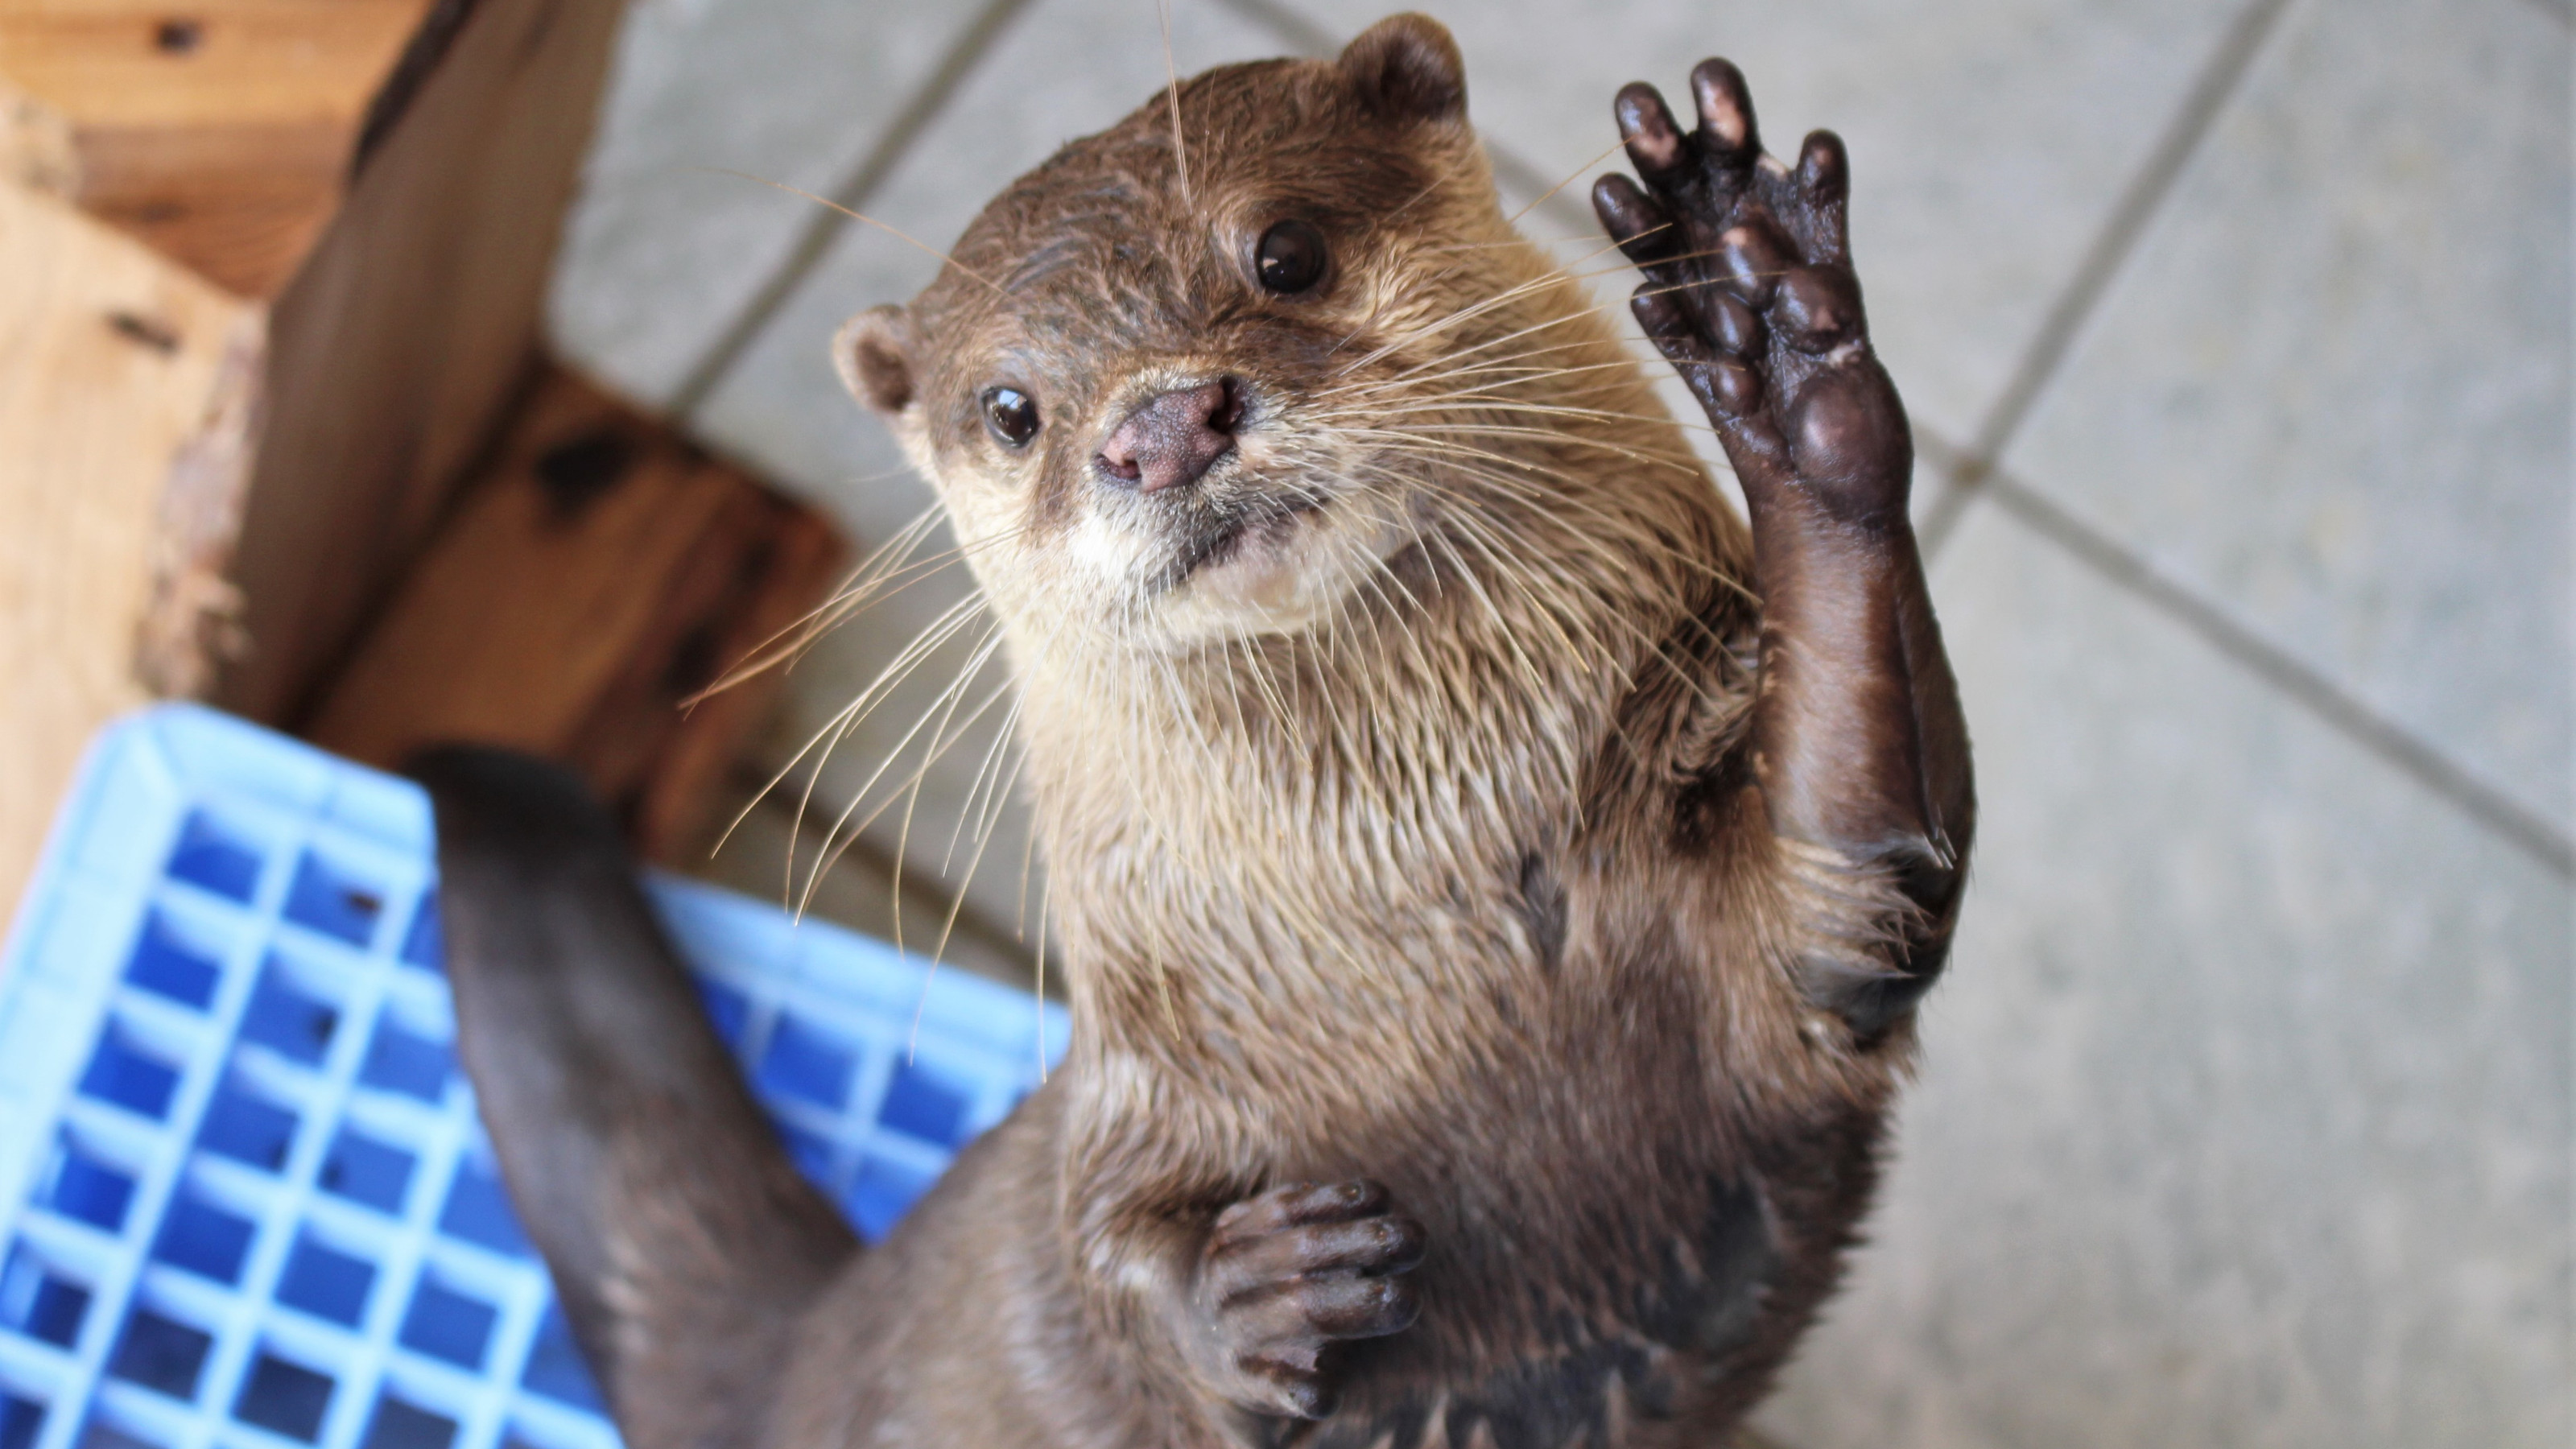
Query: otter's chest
x=1597, y=1254
x=1609, y=1339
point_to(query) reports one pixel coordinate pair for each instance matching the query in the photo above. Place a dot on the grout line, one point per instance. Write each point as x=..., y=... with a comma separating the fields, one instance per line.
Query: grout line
x=2274, y=665
x=2138, y=203
x=1975, y=471
x=1308, y=38
x=826, y=226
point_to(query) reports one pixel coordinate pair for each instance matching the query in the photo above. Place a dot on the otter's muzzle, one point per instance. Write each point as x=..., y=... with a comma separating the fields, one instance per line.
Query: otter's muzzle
x=1174, y=438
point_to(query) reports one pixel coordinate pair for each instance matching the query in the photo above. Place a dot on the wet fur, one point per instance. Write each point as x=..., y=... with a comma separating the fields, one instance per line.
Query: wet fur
x=1473, y=887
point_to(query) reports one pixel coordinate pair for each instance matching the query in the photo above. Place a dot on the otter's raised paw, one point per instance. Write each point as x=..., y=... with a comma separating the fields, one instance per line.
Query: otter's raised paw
x=1750, y=294
x=1292, y=1271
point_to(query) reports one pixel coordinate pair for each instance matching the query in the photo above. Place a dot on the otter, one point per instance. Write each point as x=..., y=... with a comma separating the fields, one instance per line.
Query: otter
x=1495, y=879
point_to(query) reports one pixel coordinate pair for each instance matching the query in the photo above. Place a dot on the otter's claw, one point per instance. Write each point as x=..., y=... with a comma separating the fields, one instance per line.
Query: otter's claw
x=1750, y=294
x=1293, y=1270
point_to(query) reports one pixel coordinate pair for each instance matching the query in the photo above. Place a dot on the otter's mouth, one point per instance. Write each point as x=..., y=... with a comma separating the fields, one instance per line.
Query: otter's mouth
x=1217, y=536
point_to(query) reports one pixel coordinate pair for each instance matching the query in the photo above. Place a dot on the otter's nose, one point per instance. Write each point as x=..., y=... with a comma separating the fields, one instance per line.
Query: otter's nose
x=1173, y=438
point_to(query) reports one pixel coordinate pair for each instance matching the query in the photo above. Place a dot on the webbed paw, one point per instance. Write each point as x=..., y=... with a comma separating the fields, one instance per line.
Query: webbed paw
x=1292, y=1271
x=1750, y=295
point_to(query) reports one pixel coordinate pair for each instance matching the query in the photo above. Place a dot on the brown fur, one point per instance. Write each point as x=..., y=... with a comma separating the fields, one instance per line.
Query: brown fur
x=1518, y=875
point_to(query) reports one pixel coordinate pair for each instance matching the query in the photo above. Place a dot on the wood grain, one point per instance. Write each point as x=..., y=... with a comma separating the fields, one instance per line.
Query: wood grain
x=405, y=334
x=219, y=132
x=601, y=574
x=116, y=367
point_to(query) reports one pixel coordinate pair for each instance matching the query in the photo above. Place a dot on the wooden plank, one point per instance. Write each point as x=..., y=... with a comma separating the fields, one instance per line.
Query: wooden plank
x=36, y=149
x=764, y=564
x=406, y=332
x=118, y=370
x=219, y=132
x=601, y=575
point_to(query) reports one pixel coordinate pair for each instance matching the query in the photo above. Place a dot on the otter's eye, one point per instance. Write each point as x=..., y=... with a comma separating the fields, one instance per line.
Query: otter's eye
x=1290, y=257
x=1011, y=414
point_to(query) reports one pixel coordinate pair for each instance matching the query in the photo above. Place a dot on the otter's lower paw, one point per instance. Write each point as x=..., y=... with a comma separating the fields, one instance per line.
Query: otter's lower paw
x=1292, y=1271
x=1750, y=294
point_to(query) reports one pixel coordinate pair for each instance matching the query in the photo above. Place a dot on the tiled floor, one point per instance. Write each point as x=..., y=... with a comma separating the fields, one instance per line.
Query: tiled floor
x=2238, y=336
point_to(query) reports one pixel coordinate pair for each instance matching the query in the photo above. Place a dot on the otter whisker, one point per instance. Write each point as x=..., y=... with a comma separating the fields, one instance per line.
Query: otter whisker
x=1460, y=316
x=1468, y=314
x=1542, y=199
x=1542, y=282
x=927, y=641
x=947, y=928
x=1529, y=491
x=787, y=643
x=1687, y=464
x=941, y=741
x=1045, y=898
x=874, y=584
x=924, y=643
x=1487, y=401
x=1464, y=421
x=1180, y=147
x=1506, y=369
x=1465, y=311
x=1651, y=644
x=1597, y=547
x=945, y=707
x=1530, y=674
x=1564, y=746
x=1700, y=255
x=905, y=237
x=966, y=812
x=1549, y=611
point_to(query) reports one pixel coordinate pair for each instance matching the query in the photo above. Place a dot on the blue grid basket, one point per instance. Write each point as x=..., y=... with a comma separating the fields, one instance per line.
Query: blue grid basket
x=244, y=1197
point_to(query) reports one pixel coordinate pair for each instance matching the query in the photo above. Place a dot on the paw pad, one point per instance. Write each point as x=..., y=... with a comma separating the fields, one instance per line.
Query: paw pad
x=1749, y=293
x=1296, y=1269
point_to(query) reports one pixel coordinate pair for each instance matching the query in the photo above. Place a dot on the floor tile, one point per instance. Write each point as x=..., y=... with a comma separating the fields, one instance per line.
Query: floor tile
x=660, y=250
x=2332, y=391
x=1988, y=142
x=2244, y=1113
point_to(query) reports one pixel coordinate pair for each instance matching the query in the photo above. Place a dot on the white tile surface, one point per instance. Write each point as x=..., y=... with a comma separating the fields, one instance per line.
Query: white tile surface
x=1988, y=140
x=661, y=251
x=2332, y=390
x=2245, y=1112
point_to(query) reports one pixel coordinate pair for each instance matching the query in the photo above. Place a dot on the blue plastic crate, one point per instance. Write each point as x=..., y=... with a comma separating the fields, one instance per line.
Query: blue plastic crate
x=244, y=1197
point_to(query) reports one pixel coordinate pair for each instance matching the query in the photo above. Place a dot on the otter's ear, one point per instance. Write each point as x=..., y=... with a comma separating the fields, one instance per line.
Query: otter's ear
x=1406, y=68
x=874, y=353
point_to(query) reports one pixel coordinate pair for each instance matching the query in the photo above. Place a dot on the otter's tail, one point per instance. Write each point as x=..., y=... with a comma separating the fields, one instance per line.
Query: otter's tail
x=683, y=1243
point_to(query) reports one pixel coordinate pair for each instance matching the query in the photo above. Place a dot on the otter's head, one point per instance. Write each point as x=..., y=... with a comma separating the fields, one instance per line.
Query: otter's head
x=1192, y=378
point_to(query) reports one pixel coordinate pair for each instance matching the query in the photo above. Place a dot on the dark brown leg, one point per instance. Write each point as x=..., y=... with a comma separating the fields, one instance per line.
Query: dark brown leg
x=1857, y=743
x=682, y=1242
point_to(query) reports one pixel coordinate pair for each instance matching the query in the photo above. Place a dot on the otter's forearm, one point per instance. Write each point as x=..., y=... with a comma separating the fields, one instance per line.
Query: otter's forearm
x=1857, y=739
x=1857, y=742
